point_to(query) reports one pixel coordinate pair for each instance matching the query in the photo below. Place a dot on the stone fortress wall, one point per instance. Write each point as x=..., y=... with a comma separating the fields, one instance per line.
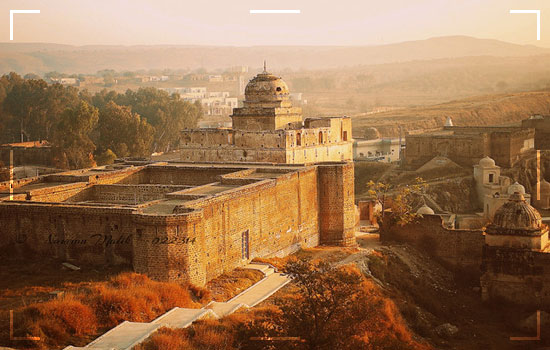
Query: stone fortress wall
x=181, y=222
x=468, y=145
x=267, y=187
x=541, y=124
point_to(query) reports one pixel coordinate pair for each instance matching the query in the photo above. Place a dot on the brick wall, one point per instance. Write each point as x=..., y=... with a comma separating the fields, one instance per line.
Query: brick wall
x=516, y=276
x=204, y=237
x=459, y=249
x=336, y=204
x=84, y=235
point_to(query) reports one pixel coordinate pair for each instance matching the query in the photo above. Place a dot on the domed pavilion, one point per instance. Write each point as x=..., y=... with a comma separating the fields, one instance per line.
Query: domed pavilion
x=516, y=224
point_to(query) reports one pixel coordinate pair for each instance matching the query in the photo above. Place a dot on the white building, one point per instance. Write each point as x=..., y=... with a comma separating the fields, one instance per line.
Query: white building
x=494, y=190
x=381, y=149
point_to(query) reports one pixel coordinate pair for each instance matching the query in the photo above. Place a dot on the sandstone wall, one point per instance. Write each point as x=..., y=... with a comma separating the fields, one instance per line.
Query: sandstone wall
x=516, y=276
x=26, y=155
x=80, y=234
x=459, y=249
x=279, y=216
x=542, y=131
x=337, y=204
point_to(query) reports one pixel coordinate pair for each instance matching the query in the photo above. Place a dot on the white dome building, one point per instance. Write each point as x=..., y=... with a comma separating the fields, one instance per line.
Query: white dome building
x=425, y=210
x=487, y=162
x=516, y=187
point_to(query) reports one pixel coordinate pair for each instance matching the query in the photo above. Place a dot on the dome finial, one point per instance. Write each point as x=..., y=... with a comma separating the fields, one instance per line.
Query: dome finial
x=265, y=67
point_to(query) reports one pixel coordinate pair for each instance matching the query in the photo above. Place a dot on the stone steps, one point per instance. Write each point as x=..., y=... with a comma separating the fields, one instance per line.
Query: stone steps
x=128, y=334
x=182, y=317
x=266, y=269
x=222, y=309
x=262, y=290
x=124, y=336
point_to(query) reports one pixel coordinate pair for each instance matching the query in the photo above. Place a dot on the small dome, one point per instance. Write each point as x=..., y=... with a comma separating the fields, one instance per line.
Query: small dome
x=372, y=134
x=516, y=187
x=425, y=210
x=516, y=215
x=544, y=186
x=487, y=162
x=266, y=87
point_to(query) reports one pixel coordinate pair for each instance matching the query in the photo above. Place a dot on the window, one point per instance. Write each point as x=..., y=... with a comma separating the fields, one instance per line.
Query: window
x=345, y=136
x=298, y=139
x=491, y=178
x=320, y=137
x=245, y=245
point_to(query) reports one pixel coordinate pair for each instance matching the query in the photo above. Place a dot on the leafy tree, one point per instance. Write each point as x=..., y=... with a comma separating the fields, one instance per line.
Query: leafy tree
x=396, y=202
x=107, y=157
x=330, y=307
x=31, y=76
x=124, y=132
x=71, y=144
x=168, y=114
x=35, y=106
x=325, y=295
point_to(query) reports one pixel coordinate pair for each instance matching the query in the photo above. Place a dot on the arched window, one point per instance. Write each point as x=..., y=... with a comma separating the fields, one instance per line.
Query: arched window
x=320, y=137
x=298, y=139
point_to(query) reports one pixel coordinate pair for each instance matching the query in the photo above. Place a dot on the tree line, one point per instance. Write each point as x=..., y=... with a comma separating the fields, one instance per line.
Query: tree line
x=86, y=129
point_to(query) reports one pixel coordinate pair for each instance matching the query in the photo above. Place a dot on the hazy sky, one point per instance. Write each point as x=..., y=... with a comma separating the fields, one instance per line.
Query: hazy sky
x=226, y=22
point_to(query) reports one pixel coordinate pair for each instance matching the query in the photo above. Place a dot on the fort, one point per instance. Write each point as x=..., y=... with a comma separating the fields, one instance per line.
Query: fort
x=268, y=129
x=467, y=145
x=213, y=211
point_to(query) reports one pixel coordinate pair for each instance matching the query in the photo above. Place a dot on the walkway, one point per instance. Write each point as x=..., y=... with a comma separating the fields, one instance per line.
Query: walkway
x=129, y=334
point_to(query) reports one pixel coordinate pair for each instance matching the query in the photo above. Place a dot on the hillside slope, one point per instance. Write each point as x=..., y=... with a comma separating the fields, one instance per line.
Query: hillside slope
x=40, y=57
x=501, y=109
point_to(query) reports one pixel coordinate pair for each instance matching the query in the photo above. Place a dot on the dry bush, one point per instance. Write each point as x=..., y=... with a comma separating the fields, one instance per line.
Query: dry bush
x=368, y=320
x=56, y=321
x=134, y=297
x=230, y=284
x=100, y=306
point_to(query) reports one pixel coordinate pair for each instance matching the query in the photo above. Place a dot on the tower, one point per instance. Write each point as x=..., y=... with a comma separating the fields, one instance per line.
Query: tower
x=516, y=255
x=267, y=105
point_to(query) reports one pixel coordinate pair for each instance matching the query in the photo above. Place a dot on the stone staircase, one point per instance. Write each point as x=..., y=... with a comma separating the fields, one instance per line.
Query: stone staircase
x=129, y=334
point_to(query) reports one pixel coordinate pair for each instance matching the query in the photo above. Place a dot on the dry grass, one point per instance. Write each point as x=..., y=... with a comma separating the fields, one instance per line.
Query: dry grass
x=93, y=308
x=326, y=253
x=374, y=322
x=230, y=284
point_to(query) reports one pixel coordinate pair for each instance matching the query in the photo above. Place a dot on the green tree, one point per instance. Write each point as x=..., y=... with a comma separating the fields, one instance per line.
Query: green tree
x=168, y=114
x=124, y=132
x=71, y=144
x=107, y=157
x=326, y=294
x=395, y=202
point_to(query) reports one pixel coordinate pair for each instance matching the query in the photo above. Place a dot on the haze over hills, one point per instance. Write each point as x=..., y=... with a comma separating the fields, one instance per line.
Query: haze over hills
x=498, y=109
x=43, y=57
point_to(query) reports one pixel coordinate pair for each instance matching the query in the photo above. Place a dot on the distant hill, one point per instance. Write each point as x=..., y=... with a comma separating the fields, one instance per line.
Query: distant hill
x=501, y=109
x=42, y=57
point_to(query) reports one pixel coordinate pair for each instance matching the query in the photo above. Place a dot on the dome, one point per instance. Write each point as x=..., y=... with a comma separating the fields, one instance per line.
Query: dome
x=516, y=187
x=544, y=186
x=425, y=210
x=487, y=162
x=516, y=215
x=372, y=134
x=266, y=87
